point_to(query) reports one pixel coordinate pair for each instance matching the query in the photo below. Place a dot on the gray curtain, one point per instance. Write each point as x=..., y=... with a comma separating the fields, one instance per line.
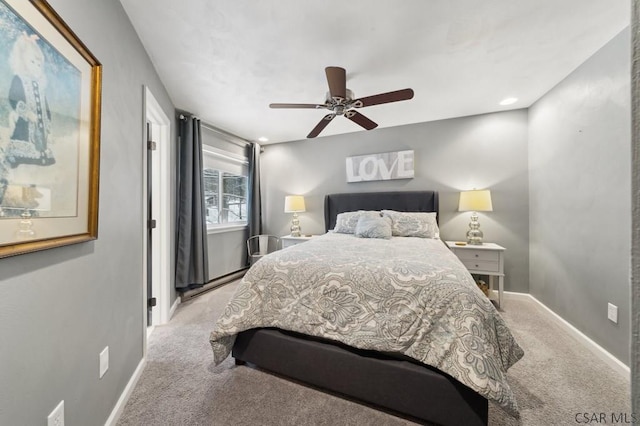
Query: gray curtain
x=192, y=264
x=254, y=216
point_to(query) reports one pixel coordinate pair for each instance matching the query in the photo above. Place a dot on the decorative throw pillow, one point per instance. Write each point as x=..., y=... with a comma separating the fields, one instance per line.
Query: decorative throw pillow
x=373, y=227
x=413, y=224
x=346, y=222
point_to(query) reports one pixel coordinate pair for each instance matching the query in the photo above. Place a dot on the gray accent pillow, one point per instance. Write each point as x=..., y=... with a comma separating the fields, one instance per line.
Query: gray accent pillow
x=373, y=227
x=346, y=222
x=413, y=224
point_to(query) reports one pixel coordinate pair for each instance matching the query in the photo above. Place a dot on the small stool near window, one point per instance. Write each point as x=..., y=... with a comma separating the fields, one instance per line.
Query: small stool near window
x=261, y=245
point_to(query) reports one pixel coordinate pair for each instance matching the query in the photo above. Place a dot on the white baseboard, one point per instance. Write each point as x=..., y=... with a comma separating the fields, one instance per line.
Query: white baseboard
x=592, y=346
x=174, y=307
x=126, y=393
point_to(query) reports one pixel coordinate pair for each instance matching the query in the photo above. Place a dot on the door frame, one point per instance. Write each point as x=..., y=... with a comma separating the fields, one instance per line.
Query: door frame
x=161, y=132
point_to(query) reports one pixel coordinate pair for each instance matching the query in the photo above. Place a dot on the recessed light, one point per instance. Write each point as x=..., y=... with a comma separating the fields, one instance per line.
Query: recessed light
x=263, y=139
x=508, y=101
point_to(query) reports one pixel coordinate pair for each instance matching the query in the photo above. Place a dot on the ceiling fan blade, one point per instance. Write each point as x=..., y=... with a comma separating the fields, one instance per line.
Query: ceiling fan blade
x=337, y=79
x=384, y=98
x=321, y=125
x=313, y=106
x=360, y=119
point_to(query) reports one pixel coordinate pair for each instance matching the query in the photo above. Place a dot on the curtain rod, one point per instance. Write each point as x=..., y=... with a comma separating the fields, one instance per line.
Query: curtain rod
x=229, y=137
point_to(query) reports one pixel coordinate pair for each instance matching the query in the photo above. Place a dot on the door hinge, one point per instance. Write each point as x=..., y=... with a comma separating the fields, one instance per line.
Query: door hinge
x=151, y=224
x=152, y=302
x=151, y=145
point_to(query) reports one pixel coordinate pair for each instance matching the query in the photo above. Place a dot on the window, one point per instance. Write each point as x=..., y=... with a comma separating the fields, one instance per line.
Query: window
x=225, y=189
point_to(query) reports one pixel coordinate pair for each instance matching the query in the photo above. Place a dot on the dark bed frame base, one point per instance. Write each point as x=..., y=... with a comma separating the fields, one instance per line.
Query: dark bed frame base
x=403, y=386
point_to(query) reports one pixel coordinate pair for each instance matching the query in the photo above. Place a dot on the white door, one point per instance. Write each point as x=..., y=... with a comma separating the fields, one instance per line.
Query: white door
x=157, y=214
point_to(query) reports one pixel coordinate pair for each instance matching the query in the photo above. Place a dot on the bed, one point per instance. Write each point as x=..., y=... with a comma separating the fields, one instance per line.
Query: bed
x=432, y=349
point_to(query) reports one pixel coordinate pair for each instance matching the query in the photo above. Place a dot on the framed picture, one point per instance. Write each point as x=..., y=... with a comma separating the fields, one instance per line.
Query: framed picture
x=50, y=94
x=382, y=166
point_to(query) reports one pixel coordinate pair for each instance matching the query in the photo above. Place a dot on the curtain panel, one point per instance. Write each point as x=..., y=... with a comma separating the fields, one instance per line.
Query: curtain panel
x=254, y=202
x=192, y=267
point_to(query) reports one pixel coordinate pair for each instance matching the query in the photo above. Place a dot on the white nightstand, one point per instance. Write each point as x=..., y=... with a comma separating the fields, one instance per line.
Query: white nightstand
x=288, y=240
x=487, y=259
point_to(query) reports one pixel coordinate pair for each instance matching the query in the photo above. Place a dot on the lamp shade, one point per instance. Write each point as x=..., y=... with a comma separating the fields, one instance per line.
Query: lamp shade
x=475, y=201
x=294, y=203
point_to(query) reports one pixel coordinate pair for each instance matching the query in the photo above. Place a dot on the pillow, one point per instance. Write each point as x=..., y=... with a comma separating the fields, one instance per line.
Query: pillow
x=413, y=224
x=373, y=227
x=346, y=222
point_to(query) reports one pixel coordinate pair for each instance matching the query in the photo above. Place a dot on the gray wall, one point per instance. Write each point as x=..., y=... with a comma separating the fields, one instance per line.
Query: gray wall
x=484, y=151
x=59, y=308
x=227, y=250
x=635, y=188
x=580, y=196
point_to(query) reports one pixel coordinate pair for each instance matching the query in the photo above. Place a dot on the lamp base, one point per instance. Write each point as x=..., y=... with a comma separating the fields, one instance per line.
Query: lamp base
x=295, y=226
x=474, y=234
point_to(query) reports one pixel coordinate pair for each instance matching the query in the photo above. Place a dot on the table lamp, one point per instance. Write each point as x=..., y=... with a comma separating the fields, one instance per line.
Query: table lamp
x=475, y=201
x=294, y=204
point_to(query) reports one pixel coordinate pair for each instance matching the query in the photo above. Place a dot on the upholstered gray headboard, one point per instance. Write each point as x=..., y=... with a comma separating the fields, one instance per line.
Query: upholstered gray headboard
x=402, y=201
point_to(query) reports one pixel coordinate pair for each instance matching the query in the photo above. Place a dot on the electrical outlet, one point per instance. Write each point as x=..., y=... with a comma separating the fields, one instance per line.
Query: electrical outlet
x=104, y=361
x=56, y=418
x=612, y=312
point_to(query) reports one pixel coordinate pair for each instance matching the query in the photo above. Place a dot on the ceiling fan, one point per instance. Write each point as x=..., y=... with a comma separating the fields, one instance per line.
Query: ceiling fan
x=340, y=101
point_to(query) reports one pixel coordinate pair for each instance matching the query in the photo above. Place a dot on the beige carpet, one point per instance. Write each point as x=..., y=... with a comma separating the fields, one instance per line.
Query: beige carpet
x=557, y=379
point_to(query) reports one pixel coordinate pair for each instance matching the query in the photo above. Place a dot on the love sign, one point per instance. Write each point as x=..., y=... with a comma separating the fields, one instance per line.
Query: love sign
x=384, y=166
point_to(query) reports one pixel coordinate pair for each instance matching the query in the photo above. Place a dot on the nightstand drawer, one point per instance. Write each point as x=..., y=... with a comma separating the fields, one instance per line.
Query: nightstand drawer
x=481, y=265
x=486, y=255
x=288, y=240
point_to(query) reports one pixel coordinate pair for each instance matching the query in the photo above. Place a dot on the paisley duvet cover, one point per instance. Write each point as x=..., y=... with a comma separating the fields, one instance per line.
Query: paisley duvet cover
x=405, y=295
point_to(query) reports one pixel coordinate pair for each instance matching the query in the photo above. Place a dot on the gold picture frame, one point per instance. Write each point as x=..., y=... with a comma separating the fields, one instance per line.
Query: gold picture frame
x=50, y=106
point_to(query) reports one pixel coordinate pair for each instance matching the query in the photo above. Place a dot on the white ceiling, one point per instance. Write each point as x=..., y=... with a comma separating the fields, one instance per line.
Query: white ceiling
x=226, y=60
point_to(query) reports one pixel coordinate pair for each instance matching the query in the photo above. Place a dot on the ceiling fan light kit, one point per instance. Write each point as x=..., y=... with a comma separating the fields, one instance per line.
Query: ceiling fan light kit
x=339, y=101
